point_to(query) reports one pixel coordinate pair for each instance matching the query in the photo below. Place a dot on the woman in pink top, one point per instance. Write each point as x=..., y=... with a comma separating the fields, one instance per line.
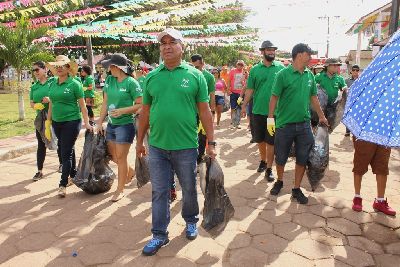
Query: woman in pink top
x=220, y=91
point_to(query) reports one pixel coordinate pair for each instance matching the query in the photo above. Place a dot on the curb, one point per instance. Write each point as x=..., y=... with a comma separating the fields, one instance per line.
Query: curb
x=26, y=149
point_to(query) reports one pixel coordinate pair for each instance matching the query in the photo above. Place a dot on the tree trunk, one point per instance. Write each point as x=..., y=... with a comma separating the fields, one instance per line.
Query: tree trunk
x=21, y=106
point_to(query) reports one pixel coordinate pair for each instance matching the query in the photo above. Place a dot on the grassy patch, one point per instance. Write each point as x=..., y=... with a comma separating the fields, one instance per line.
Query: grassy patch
x=9, y=124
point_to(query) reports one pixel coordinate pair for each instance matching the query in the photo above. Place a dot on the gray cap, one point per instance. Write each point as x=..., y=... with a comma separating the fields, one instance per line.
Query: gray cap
x=332, y=61
x=267, y=44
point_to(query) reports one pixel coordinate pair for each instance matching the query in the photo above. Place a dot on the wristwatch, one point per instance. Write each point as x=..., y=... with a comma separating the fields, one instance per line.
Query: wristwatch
x=212, y=143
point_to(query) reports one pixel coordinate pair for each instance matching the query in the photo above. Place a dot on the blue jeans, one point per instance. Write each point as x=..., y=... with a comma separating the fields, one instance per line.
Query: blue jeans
x=162, y=163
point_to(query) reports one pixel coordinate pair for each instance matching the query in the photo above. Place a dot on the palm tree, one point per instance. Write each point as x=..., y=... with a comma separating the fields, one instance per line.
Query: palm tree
x=19, y=49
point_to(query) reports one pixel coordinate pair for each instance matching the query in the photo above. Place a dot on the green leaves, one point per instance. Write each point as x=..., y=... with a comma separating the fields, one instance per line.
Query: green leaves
x=18, y=47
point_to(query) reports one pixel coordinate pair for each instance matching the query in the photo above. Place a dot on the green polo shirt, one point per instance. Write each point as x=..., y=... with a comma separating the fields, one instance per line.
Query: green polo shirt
x=173, y=96
x=261, y=79
x=78, y=79
x=294, y=90
x=141, y=81
x=87, y=81
x=331, y=85
x=121, y=95
x=38, y=91
x=64, y=99
x=210, y=81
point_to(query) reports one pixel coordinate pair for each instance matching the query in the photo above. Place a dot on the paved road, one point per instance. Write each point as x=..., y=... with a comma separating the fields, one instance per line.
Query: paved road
x=39, y=229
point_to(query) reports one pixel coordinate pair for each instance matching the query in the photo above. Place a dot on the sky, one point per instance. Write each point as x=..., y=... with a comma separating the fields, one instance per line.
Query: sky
x=288, y=22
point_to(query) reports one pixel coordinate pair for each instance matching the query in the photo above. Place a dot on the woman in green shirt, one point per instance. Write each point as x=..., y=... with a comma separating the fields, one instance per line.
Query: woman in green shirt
x=66, y=105
x=89, y=89
x=39, y=100
x=122, y=98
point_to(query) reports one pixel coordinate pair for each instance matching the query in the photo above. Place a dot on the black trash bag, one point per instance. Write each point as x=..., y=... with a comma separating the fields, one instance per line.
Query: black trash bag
x=218, y=209
x=40, y=127
x=318, y=159
x=334, y=112
x=323, y=102
x=142, y=171
x=94, y=175
x=237, y=116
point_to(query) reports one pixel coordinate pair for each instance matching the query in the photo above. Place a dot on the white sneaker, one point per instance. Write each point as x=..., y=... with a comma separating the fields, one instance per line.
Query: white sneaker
x=62, y=191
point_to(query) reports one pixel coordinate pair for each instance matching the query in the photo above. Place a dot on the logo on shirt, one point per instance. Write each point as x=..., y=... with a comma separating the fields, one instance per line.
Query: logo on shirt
x=122, y=89
x=185, y=83
x=67, y=91
x=309, y=83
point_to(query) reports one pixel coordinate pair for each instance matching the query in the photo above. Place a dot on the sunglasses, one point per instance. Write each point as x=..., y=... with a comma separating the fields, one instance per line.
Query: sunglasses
x=61, y=66
x=35, y=70
x=357, y=70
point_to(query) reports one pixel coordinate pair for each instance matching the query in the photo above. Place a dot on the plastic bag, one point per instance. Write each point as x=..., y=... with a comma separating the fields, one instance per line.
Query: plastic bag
x=218, y=209
x=142, y=171
x=318, y=159
x=94, y=175
x=334, y=112
x=227, y=104
x=323, y=102
x=237, y=116
x=40, y=127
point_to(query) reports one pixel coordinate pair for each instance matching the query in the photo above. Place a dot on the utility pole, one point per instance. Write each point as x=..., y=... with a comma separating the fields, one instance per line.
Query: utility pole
x=328, y=19
x=394, y=17
x=89, y=48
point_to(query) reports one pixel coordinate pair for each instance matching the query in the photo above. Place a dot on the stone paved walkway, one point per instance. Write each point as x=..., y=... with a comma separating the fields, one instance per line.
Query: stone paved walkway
x=39, y=229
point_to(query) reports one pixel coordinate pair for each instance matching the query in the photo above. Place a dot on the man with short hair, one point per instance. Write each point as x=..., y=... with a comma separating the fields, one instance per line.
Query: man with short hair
x=355, y=72
x=235, y=86
x=198, y=63
x=330, y=79
x=259, y=86
x=293, y=91
x=174, y=94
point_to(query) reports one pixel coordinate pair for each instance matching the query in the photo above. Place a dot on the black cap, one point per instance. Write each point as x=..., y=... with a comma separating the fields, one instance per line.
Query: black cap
x=117, y=60
x=267, y=44
x=355, y=67
x=301, y=48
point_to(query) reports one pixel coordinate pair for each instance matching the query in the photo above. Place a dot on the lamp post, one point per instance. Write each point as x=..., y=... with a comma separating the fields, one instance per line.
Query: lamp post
x=394, y=17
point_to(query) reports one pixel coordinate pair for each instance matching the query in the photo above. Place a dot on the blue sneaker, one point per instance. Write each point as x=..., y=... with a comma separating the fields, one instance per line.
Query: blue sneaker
x=154, y=245
x=191, y=231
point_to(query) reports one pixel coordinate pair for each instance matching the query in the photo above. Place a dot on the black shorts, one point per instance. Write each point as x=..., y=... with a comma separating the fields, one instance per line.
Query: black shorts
x=259, y=124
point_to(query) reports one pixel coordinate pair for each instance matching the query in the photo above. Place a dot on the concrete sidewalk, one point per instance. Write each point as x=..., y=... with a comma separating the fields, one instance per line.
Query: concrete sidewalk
x=39, y=229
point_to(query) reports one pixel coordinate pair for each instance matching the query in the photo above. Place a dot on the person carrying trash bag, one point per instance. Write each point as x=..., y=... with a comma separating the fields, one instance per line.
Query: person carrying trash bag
x=293, y=91
x=39, y=101
x=66, y=105
x=174, y=93
x=122, y=98
x=334, y=85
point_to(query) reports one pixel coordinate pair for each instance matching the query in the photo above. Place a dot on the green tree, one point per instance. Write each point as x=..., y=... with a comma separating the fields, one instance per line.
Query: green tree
x=19, y=50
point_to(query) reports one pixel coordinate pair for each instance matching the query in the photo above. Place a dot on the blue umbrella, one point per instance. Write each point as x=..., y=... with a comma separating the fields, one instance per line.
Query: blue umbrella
x=372, y=110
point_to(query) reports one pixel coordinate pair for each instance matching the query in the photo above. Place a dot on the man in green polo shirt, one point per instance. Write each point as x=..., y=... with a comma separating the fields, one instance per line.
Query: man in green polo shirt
x=174, y=94
x=330, y=80
x=259, y=86
x=293, y=91
x=198, y=63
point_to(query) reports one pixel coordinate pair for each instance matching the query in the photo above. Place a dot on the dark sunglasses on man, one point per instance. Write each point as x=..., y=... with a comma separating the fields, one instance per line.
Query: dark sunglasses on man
x=357, y=70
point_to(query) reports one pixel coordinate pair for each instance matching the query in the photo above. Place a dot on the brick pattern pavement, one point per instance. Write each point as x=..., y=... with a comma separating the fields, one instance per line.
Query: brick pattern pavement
x=39, y=229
